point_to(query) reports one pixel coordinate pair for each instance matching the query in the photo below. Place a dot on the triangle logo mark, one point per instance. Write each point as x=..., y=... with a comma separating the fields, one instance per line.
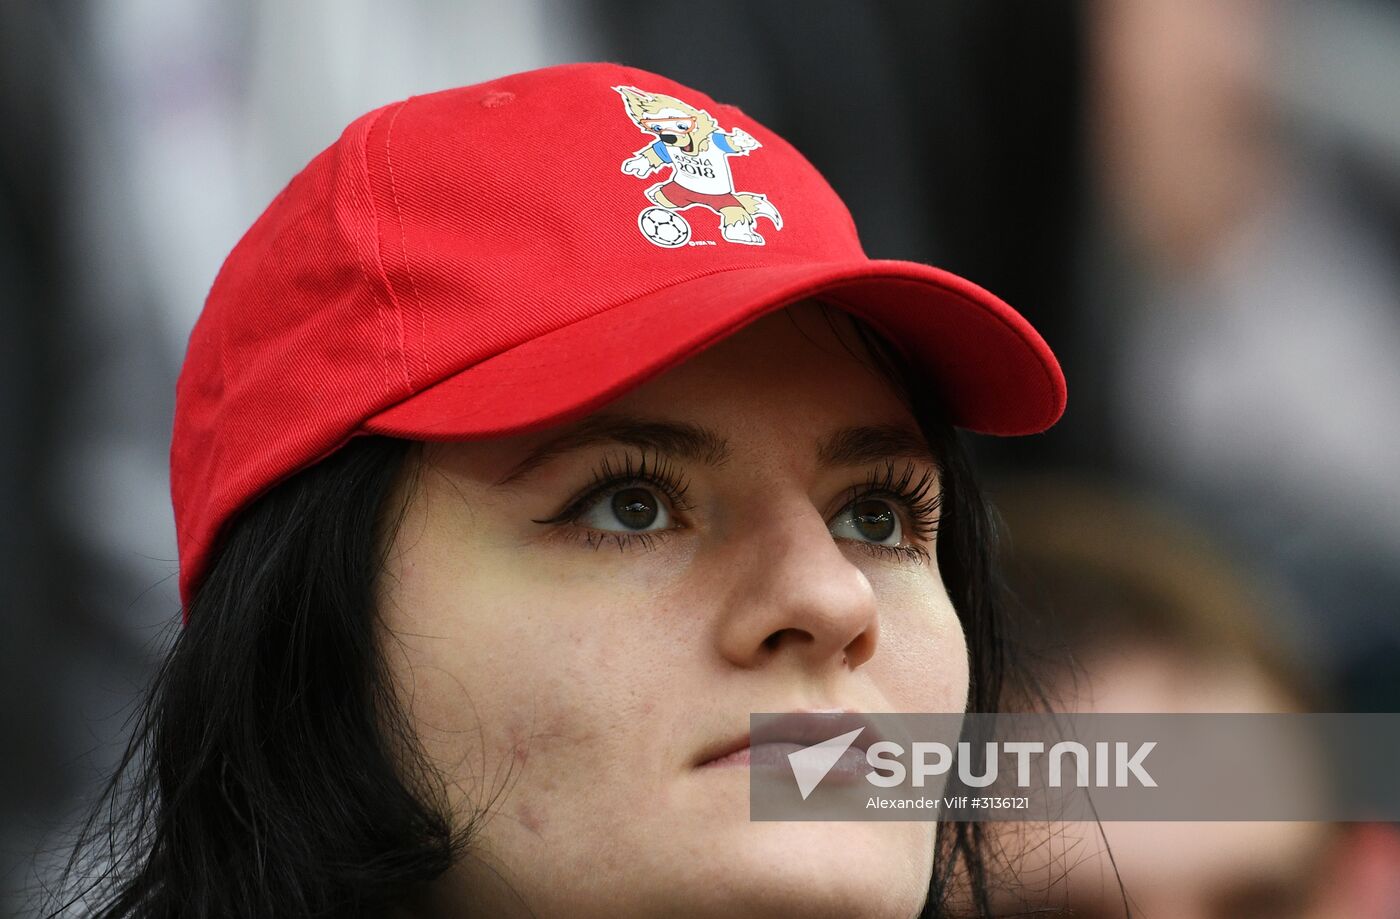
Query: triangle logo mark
x=811, y=764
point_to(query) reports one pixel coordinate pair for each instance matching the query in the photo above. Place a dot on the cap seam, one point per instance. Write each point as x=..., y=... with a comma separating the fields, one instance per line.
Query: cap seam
x=374, y=255
x=403, y=247
x=381, y=270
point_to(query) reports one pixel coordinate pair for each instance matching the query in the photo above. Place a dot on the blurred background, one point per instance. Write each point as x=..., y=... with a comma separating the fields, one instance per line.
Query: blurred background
x=1196, y=201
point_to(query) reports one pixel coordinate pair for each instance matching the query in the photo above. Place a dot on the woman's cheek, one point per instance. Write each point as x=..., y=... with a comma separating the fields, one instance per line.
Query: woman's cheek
x=577, y=621
x=921, y=661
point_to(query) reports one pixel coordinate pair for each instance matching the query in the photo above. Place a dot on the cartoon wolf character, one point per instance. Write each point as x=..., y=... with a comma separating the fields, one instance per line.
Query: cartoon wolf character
x=697, y=150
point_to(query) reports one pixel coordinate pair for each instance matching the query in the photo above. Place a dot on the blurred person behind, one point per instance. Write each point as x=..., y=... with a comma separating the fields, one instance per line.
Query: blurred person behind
x=1130, y=609
x=1247, y=168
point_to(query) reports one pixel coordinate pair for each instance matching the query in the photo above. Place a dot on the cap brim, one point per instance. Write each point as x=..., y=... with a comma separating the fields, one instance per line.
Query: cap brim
x=990, y=368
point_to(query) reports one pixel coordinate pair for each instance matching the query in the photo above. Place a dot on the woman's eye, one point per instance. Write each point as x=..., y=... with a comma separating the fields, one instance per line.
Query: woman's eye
x=656, y=128
x=634, y=509
x=869, y=520
x=683, y=126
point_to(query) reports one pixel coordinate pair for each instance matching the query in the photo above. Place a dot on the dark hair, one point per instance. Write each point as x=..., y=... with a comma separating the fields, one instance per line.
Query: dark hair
x=235, y=794
x=240, y=801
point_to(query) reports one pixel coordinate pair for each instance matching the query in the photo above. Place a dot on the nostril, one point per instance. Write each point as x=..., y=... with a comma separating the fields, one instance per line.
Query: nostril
x=775, y=641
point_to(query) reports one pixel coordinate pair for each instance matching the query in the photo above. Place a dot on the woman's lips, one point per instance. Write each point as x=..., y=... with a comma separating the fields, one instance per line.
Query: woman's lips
x=798, y=731
x=775, y=756
x=744, y=756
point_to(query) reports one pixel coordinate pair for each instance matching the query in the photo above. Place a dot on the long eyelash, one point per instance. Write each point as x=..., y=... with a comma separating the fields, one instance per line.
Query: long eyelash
x=659, y=471
x=910, y=553
x=923, y=509
x=595, y=539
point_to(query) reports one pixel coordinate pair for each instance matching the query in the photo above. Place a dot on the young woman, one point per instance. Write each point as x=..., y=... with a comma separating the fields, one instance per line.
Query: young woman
x=535, y=435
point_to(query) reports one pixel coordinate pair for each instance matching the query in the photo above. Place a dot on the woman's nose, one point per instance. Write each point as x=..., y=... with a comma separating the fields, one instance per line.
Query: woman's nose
x=794, y=592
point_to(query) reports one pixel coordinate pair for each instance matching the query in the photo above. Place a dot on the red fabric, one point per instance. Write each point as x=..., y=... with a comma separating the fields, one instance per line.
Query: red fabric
x=424, y=277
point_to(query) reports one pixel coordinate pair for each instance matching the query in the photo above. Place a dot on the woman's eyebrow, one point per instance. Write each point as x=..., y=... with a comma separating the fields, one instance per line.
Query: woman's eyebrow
x=856, y=445
x=861, y=445
x=679, y=439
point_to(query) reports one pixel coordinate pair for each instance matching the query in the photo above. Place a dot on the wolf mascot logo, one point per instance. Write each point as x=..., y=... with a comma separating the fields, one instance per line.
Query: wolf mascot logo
x=690, y=142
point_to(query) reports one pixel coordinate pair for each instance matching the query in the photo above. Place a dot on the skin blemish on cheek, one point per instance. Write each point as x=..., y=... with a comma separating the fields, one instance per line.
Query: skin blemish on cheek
x=519, y=747
x=529, y=819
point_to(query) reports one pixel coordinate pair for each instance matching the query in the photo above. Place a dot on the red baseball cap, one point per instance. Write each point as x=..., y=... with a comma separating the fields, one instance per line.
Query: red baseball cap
x=512, y=255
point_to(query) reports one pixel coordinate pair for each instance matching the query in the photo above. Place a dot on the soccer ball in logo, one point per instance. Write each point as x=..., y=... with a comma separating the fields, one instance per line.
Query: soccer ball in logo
x=664, y=228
